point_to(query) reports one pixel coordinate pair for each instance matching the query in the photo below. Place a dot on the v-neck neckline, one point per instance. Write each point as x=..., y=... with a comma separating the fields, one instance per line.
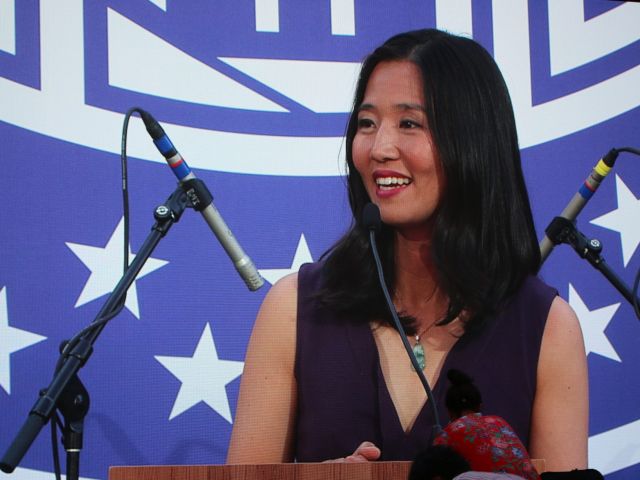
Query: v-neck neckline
x=384, y=395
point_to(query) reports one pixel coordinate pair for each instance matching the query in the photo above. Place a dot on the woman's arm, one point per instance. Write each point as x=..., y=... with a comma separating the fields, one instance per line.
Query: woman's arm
x=265, y=416
x=560, y=419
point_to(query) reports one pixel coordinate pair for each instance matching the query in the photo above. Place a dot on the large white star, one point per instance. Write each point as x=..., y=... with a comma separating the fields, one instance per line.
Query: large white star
x=204, y=377
x=302, y=255
x=105, y=264
x=624, y=220
x=594, y=323
x=11, y=340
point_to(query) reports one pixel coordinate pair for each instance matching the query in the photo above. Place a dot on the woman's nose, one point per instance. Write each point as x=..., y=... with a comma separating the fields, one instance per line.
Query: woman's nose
x=385, y=145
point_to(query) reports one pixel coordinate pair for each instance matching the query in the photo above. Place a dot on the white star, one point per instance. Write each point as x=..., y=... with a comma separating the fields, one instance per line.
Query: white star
x=594, y=323
x=106, y=269
x=624, y=220
x=11, y=340
x=302, y=255
x=204, y=377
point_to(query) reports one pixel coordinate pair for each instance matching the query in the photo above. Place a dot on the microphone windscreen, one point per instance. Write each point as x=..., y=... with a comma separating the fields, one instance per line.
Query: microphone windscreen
x=371, y=217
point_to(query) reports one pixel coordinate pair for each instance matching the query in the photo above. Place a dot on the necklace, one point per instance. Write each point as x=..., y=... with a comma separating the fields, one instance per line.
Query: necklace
x=418, y=349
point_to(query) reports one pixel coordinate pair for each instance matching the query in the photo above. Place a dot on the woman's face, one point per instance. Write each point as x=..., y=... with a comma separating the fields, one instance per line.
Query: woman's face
x=393, y=150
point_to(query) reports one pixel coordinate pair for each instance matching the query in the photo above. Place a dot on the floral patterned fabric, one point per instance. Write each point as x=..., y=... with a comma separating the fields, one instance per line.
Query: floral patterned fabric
x=489, y=444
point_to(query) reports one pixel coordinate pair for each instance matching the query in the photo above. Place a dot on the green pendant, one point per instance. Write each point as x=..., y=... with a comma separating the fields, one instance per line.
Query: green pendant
x=418, y=352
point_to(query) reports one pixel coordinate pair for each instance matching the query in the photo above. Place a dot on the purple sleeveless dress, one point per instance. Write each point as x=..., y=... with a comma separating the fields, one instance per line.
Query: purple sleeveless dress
x=342, y=396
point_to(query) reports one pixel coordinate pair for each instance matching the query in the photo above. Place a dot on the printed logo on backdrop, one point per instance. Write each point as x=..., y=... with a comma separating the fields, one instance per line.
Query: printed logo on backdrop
x=250, y=108
x=267, y=86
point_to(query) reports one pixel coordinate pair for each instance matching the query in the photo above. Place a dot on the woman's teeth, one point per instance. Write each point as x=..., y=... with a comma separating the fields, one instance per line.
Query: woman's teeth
x=392, y=182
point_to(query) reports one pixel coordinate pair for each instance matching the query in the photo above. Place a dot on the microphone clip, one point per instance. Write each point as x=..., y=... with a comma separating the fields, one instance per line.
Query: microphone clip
x=170, y=211
x=197, y=193
x=562, y=230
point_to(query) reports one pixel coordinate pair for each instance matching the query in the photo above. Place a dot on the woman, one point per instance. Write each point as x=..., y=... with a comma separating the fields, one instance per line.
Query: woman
x=487, y=442
x=432, y=142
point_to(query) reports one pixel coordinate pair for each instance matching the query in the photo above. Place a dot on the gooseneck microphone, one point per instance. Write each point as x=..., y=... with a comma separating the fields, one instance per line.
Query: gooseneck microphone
x=372, y=222
x=583, y=195
x=202, y=201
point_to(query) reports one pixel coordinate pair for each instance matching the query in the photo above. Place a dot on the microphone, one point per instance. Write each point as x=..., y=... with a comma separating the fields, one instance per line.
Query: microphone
x=372, y=222
x=202, y=200
x=582, y=196
x=371, y=218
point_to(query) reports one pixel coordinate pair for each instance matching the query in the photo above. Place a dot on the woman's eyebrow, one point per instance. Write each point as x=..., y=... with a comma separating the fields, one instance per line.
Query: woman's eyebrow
x=399, y=106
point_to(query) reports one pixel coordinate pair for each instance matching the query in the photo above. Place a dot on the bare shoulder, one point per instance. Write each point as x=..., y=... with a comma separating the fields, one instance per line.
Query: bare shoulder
x=279, y=307
x=562, y=359
x=272, y=345
x=274, y=331
x=559, y=424
x=285, y=288
x=563, y=328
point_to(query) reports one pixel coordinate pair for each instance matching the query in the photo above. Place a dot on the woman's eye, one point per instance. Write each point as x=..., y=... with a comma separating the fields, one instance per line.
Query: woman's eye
x=409, y=124
x=365, y=123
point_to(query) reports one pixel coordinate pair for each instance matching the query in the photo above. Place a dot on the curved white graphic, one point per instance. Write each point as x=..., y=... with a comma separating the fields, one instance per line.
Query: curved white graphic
x=62, y=89
x=62, y=75
x=333, y=82
x=143, y=62
x=541, y=123
x=615, y=449
x=574, y=42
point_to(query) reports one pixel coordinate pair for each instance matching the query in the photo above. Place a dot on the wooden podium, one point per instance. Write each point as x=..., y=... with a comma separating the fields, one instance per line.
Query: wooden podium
x=276, y=471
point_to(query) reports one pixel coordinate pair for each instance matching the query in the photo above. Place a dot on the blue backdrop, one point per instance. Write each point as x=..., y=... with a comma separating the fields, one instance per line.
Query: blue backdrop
x=255, y=94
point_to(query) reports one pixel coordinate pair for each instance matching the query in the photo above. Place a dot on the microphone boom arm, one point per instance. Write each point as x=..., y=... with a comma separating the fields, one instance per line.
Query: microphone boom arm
x=562, y=230
x=81, y=347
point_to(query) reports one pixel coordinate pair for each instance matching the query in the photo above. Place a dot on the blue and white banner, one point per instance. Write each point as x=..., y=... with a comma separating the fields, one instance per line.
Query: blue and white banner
x=255, y=94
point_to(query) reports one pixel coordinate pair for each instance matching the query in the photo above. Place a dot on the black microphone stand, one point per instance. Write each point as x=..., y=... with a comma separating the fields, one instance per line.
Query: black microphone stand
x=561, y=230
x=66, y=393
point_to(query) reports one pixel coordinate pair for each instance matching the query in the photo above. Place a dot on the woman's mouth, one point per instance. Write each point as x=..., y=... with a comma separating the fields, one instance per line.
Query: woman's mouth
x=391, y=183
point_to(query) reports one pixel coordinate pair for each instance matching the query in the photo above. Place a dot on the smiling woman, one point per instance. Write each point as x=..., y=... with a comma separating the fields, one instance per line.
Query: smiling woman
x=432, y=141
x=393, y=150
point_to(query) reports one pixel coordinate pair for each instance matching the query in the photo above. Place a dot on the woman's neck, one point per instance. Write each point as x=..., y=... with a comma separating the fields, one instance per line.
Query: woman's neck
x=416, y=287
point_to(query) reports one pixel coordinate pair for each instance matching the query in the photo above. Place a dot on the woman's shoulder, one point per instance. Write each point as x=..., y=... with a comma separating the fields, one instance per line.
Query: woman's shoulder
x=278, y=310
x=285, y=287
x=563, y=325
x=285, y=294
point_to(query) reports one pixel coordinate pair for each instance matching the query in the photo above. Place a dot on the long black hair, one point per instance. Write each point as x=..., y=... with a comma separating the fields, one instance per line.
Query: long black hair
x=484, y=241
